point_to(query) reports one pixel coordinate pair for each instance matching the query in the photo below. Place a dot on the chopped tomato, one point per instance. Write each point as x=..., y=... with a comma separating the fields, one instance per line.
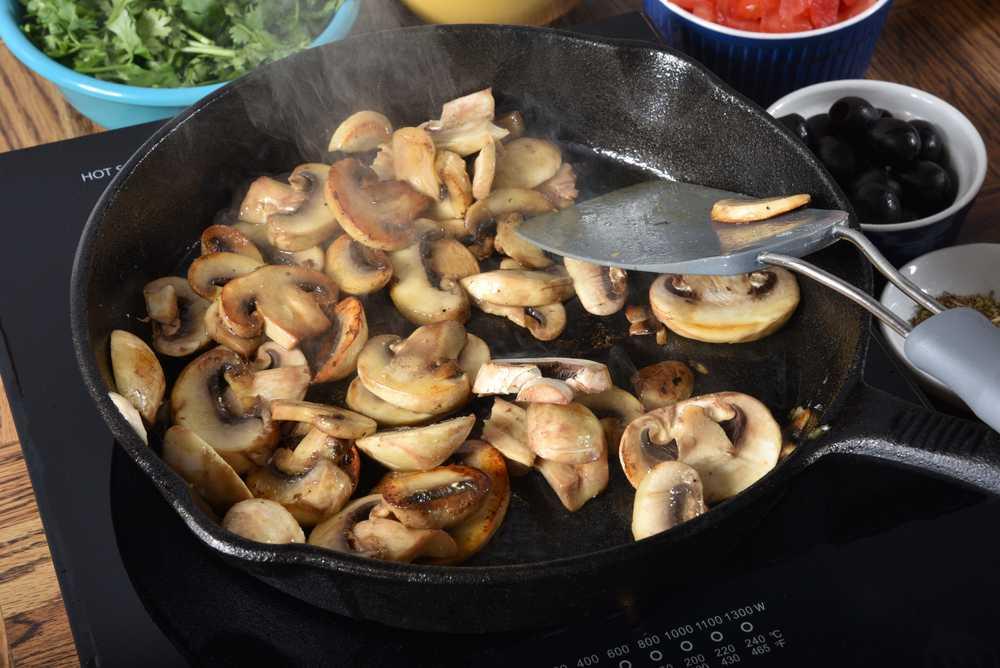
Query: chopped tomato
x=823, y=13
x=775, y=15
x=745, y=10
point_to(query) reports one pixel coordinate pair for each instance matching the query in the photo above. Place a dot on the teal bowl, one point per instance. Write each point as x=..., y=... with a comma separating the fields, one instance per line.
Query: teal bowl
x=113, y=105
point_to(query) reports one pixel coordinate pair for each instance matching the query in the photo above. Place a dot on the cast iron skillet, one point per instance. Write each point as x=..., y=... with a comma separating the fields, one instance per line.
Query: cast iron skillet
x=619, y=109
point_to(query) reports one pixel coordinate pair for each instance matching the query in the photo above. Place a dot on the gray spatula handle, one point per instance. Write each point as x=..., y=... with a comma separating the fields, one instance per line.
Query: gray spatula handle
x=961, y=348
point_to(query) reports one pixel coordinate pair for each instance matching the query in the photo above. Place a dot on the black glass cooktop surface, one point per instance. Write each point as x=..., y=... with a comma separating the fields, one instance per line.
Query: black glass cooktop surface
x=859, y=563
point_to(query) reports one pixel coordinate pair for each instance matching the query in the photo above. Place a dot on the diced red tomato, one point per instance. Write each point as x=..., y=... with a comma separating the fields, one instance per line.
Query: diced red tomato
x=744, y=10
x=687, y=4
x=823, y=13
x=705, y=9
x=775, y=15
x=789, y=10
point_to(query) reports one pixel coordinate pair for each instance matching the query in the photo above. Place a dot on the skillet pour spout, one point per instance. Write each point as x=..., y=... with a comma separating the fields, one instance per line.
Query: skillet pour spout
x=621, y=112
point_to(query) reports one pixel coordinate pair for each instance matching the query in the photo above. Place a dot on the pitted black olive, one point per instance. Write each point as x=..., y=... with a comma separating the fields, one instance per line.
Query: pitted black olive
x=852, y=116
x=931, y=145
x=894, y=141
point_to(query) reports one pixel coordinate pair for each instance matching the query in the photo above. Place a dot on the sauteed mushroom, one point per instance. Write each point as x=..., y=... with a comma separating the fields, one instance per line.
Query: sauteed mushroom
x=561, y=190
x=544, y=322
x=670, y=494
x=466, y=124
x=178, y=316
x=378, y=214
x=208, y=273
x=567, y=434
x=413, y=161
x=138, y=374
x=725, y=309
x=267, y=196
x=361, y=131
x=219, y=333
x=310, y=496
x=313, y=258
x=527, y=163
x=335, y=533
x=474, y=355
x=519, y=287
x=483, y=170
x=584, y=376
x=334, y=354
x=575, y=484
x=270, y=355
x=527, y=254
x=264, y=521
x=390, y=540
x=356, y=268
x=420, y=373
x=545, y=391
x=512, y=122
x=730, y=438
x=331, y=420
x=417, y=448
x=663, y=384
x=419, y=292
x=436, y=499
x=202, y=467
x=314, y=446
x=750, y=210
x=360, y=400
x=226, y=239
x=503, y=202
x=248, y=386
x=382, y=163
x=502, y=377
x=505, y=431
x=455, y=195
x=613, y=400
x=312, y=222
x=131, y=415
x=602, y=290
x=288, y=303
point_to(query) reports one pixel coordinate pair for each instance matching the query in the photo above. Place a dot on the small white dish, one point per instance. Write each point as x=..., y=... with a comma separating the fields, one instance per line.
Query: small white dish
x=961, y=270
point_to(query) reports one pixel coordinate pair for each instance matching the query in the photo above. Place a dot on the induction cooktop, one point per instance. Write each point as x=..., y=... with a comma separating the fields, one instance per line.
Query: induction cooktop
x=860, y=563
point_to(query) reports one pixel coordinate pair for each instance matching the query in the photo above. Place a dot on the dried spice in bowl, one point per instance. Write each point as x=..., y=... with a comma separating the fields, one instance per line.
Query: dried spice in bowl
x=986, y=304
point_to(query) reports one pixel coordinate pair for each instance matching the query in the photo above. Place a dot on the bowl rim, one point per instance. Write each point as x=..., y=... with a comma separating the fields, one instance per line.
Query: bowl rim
x=979, y=154
x=38, y=61
x=772, y=36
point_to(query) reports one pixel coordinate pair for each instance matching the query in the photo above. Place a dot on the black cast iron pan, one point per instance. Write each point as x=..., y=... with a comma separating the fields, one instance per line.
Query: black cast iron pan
x=622, y=112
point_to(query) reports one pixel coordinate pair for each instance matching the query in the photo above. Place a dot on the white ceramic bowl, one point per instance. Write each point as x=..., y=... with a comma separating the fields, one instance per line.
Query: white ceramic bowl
x=961, y=270
x=904, y=241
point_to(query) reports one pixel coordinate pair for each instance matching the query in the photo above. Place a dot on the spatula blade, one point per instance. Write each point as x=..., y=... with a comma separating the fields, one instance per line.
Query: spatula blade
x=665, y=227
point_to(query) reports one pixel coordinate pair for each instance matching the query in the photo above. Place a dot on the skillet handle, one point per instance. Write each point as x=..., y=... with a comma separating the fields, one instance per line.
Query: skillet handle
x=876, y=424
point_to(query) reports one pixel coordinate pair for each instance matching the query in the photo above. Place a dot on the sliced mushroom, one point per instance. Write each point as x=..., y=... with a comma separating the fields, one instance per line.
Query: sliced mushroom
x=614, y=401
x=475, y=531
x=198, y=402
x=360, y=400
x=602, y=290
x=498, y=377
x=420, y=373
x=248, y=386
x=510, y=263
x=545, y=391
x=584, y=376
x=288, y=303
x=481, y=247
x=450, y=260
x=725, y=309
x=219, y=333
x=417, y=448
x=512, y=122
x=751, y=210
x=663, y=384
x=483, y=170
x=413, y=161
x=568, y=434
x=382, y=164
x=503, y=202
x=505, y=431
x=311, y=496
x=438, y=498
x=131, y=415
x=267, y=196
x=331, y=420
x=178, y=316
x=356, y=268
x=390, y=540
x=334, y=354
x=312, y=222
x=637, y=313
x=466, y=124
x=730, y=438
x=526, y=253
x=561, y=190
x=455, y=194
x=575, y=484
x=313, y=258
x=474, y=355
x=527, y=163
x=138, y=374
x=519, y=287
x=271, y=356
x=670, y=494
x=361, y=131
x=613, y=428
x=264, y=521
x=419, y=292
x=226, y=239
x=208, y=273
x=202, y=467
x=314, y=446
x=335, y=533
x=545, y=323
x=378, y=214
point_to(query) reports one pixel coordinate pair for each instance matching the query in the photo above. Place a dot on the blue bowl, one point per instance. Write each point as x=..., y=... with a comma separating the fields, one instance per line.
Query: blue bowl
x=113, y=105
x=766, y=66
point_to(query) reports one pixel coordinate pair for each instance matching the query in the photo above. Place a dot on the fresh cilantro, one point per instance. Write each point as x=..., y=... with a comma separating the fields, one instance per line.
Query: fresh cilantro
x=171, y=43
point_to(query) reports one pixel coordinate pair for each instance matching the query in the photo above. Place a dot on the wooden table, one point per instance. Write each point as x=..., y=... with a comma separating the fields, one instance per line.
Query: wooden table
x=948, y=48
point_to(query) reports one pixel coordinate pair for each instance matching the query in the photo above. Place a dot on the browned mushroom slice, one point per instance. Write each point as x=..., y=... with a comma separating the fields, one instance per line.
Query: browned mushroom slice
x=334, y=354
x=613, y=401
x=360, y=400
x=336, y=532
x=520, y=287
x=575, y=484
x=505, y=431
x=378, y=214
x=314, y=446
x=417, y=448
x=602, y=290
x=503, y=202
x=420, y=373
x=208, y=273
x=561, y=190
x=526, y=253
x=663, y=384
x=361, y=131
x=449, y=260
x=271, y=356
x=248, y=386
x=331, y=420
x=312, y=222
x=382, y=163
x=390, y=540
x=725, y=309
x=501, y=377
x=198, y=402
x=545, y=391
x=545, y=323
x=201, y=466
x=226, y=239
x=178, y=316
x=311, y=496
x=267, y=196
x=752, y=210
x=356, y=268
x=730, y=438
x=313, y=258
x=455, y=191
x=264, y=521
x=131, y=415
x=474, y=355
x=584, y=376
x=466, y=124
x=670, y=494
x=421, y=294
x=527, y=163
x=483, y=170
x=288, y=303
x=436, y=499
x=512, y=122
x=637, y=313
x=568, y=434
x=219, y=333
x=138, y=374
x=413, y=161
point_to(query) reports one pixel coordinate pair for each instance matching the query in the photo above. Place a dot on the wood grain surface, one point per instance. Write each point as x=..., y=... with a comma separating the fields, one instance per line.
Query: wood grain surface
x=951, y=49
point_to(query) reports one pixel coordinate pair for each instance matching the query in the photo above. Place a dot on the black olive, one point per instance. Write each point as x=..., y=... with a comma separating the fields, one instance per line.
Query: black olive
x=797, y=125
x=894, y=141
x=931, y=146
x=838, y=157
x=819, y=127
x=884, y=113
x=876, y=203
x=927, y=187
x=879, y=176
x=852, y=115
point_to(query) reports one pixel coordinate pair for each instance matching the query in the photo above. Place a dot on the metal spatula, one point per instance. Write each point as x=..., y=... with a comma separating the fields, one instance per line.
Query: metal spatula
x=665, y=227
